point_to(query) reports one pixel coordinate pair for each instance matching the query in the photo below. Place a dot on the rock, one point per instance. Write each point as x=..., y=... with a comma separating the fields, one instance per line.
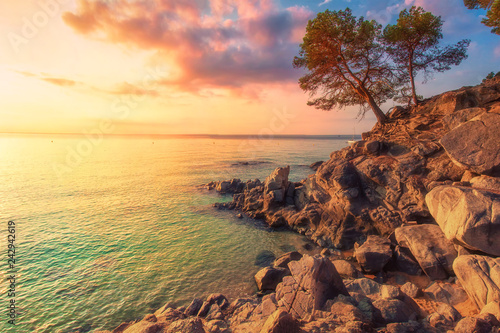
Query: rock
x=480, y=277
x=280, y=322
x=492, y=308
x=392, y=311
x=445, y=292
x=444, y=317
x=433, y=252
x=459, y=117
x=275, y=187
x=313, y=281
x=269, y=277
x=374, y=254
x=170, y=315
x=315, y=166
x=214, y=313
x=217, y=326
x=474, y=144
x=346, y=269
x=164, y=308
x=189, y=325
x=388, y=292
x=486, y=183
x=150, y=317
x=409, y=327
x=284, y=259
x=364, y=286
x=194, y=307
x=411, y=290
x=406, y=262
x=145, y=327
x=468, y=216
x=264, y=258
x=471, y=324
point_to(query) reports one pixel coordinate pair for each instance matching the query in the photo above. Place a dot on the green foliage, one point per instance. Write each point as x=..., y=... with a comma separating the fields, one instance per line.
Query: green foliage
x=491, y=75
x=492, y=18
x=413, y=46
x=346, y=63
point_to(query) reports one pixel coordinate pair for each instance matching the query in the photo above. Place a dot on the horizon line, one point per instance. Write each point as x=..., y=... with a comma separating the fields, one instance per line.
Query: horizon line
x=199, y=135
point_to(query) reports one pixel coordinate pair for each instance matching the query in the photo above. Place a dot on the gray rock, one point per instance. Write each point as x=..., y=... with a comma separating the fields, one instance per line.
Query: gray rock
x=374, y=254
x=445, y=317
x=474, y=144
x=445, y=292
x=433, y=252
x=411, y=290
x=480, y=277
x=405, y=262
x=468, y=216
x=392, y=311
x=364, y=286
x=388, y=292
x=471, y=324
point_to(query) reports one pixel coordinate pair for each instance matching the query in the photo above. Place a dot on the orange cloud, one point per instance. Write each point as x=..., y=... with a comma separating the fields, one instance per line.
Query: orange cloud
x=212, y=44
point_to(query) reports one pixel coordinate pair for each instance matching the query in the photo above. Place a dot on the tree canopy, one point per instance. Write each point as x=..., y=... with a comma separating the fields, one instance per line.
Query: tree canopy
x=413, y=46
x=492, y=18
x=346, y=63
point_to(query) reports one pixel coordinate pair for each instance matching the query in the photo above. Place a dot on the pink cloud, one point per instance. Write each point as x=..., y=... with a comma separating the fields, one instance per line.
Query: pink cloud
x=210, y=45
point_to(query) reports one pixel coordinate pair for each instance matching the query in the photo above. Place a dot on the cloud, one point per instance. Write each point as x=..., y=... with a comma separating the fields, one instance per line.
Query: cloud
x=123, y=88
x=210, y=43
x=59, y=81
x=325, y=2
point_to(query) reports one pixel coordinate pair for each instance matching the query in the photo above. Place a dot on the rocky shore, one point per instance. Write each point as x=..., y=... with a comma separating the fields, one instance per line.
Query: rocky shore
x=417, y=201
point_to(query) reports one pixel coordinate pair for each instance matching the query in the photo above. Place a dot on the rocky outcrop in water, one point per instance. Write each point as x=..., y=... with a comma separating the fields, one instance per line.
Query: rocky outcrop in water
x=418, y=195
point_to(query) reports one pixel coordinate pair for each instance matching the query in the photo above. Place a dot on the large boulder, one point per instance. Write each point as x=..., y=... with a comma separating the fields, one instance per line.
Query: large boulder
x=269, y=277
x=392, y=311
x=433, y=252
x=374, y=254
x=468, y=216
x=280, y=322
x=480, y=277
x=486, y=183
x=314, y=281
x=275, y=187
x=474, y=144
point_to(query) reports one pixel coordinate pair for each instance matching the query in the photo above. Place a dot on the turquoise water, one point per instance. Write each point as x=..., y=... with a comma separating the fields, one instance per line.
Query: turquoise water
x=110, y=229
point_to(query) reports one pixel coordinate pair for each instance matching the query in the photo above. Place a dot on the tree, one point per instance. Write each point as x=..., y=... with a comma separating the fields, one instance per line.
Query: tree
x=346, y=63
x=413, y=46
x=492, y=18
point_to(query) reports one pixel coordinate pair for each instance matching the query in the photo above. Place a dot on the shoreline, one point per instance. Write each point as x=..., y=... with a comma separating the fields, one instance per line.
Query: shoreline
x=391, y=199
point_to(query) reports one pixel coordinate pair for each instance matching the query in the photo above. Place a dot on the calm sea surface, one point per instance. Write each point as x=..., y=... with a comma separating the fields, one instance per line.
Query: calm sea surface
x=110, y=229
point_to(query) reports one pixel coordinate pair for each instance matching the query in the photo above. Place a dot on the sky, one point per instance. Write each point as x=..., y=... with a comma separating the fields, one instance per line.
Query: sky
x=192, y=66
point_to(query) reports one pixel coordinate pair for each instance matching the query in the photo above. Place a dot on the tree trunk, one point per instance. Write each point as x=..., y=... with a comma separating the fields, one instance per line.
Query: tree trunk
x=381, y=118
x=412, y=80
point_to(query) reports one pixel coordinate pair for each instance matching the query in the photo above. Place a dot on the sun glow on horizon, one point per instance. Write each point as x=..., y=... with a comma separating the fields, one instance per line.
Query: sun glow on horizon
x=164, y=67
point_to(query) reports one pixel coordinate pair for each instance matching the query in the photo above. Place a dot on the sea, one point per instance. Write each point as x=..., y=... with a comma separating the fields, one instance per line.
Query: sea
x=108, y=229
